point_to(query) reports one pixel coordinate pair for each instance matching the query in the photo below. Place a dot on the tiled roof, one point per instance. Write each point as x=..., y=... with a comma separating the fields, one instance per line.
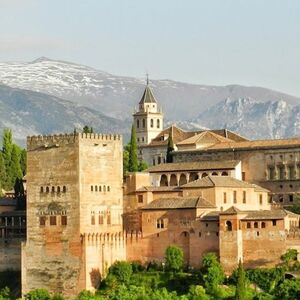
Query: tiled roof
x=179, y=202
x=15, y=213
x=221, y=181
x=159, y=189
x=148, y=96
x=179, y=135
x=231, y=211
x=205, y=137
x=265, y=214
x=278, y=143
x=194, y=166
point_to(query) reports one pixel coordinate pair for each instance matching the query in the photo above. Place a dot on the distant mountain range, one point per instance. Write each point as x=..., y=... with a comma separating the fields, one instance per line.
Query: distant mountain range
x=31, y=102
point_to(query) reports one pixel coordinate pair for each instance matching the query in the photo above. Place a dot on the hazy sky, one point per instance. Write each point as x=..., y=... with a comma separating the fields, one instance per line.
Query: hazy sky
x=253, y=42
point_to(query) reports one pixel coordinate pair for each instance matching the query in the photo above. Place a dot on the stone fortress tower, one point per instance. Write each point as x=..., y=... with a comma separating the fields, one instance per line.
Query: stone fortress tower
x=74, y=211
x=148, y=120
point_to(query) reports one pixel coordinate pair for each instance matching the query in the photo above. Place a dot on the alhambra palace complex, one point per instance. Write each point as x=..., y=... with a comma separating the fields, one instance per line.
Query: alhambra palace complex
x=223, y=193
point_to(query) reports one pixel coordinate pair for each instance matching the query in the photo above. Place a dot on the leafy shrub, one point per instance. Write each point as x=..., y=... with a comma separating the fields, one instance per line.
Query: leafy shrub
x=137, y=267
x=174, y=258
x=122, y=270
x=38, y=294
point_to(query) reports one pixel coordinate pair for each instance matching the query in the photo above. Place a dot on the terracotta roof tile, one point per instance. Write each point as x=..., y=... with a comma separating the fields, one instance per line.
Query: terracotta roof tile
x=179, y=202
x=221, y=181
x=195, y=166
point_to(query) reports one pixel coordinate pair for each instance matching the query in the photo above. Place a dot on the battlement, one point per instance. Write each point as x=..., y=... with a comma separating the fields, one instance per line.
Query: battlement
x=67, y=138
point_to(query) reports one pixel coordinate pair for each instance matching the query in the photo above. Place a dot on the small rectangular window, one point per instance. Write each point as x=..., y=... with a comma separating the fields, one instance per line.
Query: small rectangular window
x=93, y=220
x=52, y=220
x=42, y=221
x=234, y=197
x=140, y=199
x=260, y=199
x=244, y=197
x=108, y=219
x=101, y=221
x=274, y=223
x=64, y=220
x=225, y=197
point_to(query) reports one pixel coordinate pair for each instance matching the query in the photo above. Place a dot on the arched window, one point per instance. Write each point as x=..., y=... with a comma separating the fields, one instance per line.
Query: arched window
x=163, y=180
x=204, y=175
x=137, y=123
x=228, y=226
x=101, y=219
x=64, y=189
x=182, y=179
x=173, y=180
x=193, y=176
x=144, y=123
x=158, y=123
x=151, y=123
x=96, y=188
x=224, y=173
x=214, y=174
x=58, y=189
x=263, y=225
x=100, y=188
x=104, y=188
x=53, y=189
x=92, y=188
x=248, y=225
x=47, y=189
x=108, y=188
x=255, y=225
x=42, y=189
x=234, y=197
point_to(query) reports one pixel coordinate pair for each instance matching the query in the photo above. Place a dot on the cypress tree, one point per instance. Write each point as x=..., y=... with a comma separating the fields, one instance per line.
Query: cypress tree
x=15, y=166
x=240, y=293
x=7, y=146
x=23, y=161
x=170, y=147
x=133, y=164
x=2, y=173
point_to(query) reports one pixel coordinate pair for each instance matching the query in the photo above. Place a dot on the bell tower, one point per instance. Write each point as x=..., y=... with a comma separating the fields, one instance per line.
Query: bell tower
x=148, y=120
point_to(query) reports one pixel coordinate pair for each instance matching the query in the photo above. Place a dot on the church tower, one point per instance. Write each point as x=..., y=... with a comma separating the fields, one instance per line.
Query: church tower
x=148, y=120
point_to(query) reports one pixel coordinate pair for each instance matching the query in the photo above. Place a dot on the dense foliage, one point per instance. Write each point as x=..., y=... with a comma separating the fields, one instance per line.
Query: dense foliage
x=12, y=163
x=130, y=156
x=170, y=147
x=174, y=258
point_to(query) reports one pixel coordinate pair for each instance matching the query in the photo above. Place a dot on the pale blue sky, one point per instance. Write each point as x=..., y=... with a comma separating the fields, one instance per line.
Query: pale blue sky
x=253, y=42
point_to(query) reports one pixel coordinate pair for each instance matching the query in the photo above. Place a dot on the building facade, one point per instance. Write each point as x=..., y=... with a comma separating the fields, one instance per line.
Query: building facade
x=74, y=211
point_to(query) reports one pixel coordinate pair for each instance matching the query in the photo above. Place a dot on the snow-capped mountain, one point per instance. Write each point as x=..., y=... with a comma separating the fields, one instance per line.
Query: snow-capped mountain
x=254, y=119
x=32, y=113
x=117, y=96
x=33, y=103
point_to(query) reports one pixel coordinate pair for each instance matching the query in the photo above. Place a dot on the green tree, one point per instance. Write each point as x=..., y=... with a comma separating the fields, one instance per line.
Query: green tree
x=170, y=147
x=15, y=166
x=288, y=290
x=7, y=147
x=23, y=161
x=142, y=165
x=241, y=288
x=126, y=159
x=87, y=129
x=38, y=294
x=5, y=294
x=2, y=173
x=122, y=270
x=174, y=258
x=212, y=272
x=290, y=257
x=133, y=165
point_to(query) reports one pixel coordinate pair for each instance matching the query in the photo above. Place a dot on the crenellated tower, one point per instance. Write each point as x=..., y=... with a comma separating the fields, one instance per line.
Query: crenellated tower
x=148, y=120
x=74, y=211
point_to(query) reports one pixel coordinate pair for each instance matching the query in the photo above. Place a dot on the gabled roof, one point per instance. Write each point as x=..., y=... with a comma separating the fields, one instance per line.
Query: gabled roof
x=148, y=96
x=231, y=211
x=221, y=181
x=179, y=202
x=159, y=189
x=195, y=166
x=205, y=137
